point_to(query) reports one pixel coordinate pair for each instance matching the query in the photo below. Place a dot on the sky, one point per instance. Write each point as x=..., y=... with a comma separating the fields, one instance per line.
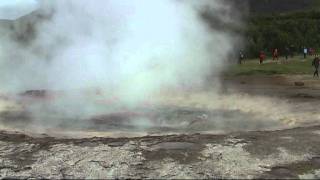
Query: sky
x=14, y=9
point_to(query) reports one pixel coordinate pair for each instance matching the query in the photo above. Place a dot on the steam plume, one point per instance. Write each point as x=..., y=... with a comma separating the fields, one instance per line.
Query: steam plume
x=128, y=49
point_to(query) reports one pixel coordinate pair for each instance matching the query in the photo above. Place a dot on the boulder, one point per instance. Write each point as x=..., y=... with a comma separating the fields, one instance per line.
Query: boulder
x=299, y=83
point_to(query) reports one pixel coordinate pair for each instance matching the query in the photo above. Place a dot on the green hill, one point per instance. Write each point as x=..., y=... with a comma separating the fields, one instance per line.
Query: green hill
x=281, y=6
x=282, y=23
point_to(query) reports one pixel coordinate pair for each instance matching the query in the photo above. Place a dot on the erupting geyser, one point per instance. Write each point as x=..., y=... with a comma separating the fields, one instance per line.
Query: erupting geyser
x=129, y=48
x=124, y=53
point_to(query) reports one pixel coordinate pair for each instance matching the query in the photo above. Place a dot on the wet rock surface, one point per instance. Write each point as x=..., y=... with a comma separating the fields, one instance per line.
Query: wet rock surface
x=155, y=121
x=276, y=154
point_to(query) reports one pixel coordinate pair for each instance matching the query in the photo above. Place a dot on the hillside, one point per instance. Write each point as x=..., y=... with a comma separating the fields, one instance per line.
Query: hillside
x=282, y=23
x=281, y=6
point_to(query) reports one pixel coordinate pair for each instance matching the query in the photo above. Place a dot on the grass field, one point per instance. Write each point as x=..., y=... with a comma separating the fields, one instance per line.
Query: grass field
x=296, y=65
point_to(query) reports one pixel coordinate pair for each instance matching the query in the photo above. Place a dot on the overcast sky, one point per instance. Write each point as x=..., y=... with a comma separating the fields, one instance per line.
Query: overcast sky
x=13, y=9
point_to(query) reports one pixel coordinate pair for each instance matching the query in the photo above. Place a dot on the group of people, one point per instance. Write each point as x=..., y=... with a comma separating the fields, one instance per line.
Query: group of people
x=275, y=56
x=262, y=55
x=310, y=51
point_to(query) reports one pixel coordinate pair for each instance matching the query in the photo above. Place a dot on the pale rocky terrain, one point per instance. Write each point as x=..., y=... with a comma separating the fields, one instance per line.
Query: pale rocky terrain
x=279, y=154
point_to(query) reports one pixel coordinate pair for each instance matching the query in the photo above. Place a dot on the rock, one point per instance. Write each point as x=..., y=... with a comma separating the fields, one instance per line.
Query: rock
x=35, y=93
x=299, y=83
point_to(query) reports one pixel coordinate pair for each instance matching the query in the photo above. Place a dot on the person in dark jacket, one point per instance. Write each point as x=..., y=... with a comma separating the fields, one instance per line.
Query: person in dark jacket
x=286, y=52
x=241, y=57
x=316, y=63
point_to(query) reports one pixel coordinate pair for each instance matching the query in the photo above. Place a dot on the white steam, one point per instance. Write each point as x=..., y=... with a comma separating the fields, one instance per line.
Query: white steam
x=13, y=9
x=127, y=49
x=132, y=47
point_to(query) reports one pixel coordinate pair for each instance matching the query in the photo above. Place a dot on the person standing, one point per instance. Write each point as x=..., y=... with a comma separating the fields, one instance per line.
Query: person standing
x=286, y=52
x=292, y=50
x=241, y=57
x=316, y=63
x=313, y=52
x=261, y=56
x=275, y=54
x=305, y=52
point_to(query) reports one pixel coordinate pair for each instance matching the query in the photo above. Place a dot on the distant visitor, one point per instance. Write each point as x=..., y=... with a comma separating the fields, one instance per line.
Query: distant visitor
x=305, y=52
x=315, y=63
x=275, y=54
x=286, y=52
x=262, y=56
x=241, y=57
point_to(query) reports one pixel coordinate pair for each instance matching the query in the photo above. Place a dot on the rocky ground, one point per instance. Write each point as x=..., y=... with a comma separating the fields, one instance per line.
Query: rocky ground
x=293, y=151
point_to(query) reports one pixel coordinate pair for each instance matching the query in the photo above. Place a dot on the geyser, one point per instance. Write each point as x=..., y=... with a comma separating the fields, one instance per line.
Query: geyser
x=131, y=48
x=126, y=52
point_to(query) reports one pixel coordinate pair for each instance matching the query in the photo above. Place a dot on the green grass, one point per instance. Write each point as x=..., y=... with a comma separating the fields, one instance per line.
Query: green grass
x=252, y=67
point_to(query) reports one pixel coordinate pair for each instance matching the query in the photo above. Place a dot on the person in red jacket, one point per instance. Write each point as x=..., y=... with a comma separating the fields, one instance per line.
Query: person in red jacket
x=262, y=56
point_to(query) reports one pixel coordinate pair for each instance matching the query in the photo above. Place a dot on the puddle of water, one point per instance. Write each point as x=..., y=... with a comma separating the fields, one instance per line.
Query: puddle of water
x=281, y=173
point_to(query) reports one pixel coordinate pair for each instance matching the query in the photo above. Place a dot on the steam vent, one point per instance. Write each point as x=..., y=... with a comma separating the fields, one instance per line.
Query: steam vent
x=109, y=89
